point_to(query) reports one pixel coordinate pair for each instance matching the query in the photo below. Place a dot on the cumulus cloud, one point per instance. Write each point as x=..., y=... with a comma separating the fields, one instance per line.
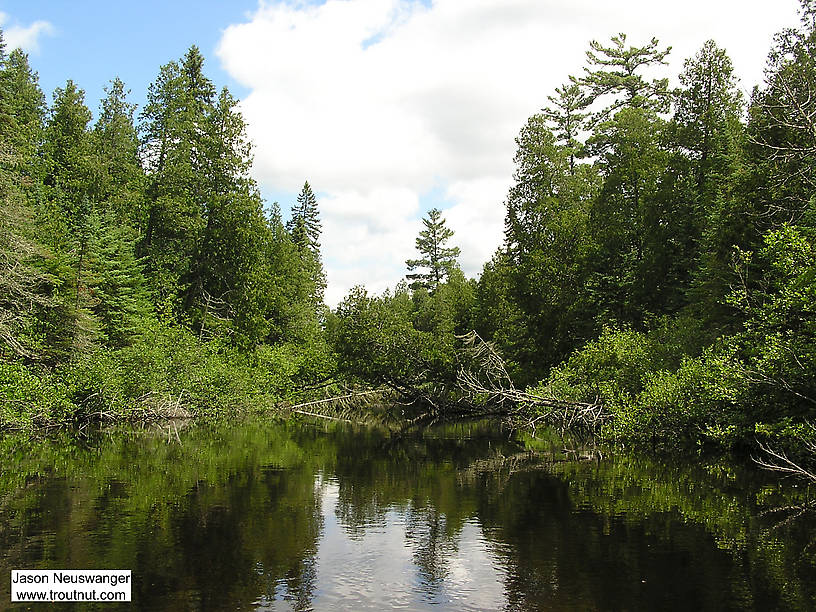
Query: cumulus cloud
x=24, y=37
x=391, y=107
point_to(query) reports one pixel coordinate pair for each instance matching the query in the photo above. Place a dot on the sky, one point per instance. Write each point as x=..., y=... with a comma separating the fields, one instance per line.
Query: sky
x=387, y=107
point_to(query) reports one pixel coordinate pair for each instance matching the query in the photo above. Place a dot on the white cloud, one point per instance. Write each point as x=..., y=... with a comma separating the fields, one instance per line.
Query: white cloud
x=24, y=37
x=366, y=237
x=380, y=103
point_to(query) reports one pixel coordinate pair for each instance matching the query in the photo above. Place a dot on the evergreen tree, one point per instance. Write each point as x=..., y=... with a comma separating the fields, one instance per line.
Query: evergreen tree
x=23, y=111
x=72, y=182
x=305, y=211
x=229, y=249
x=543, y=265
x=71, y=172
x=205, y=233
x=25, y=290
x=121, y=300
x=304, y=229
x=172, y=145
x=709, y=138
x=566, y=116
x=632, y=222
x=438, y=259
x=288, y=286
x=708, y=110
x=116, y=143
x=614, y=71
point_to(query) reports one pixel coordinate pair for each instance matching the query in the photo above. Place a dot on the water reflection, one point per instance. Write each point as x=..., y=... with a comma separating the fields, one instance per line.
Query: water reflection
x=273, y=516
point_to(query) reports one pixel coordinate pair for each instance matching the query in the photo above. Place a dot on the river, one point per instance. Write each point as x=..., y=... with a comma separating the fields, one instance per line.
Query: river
x=270, y=515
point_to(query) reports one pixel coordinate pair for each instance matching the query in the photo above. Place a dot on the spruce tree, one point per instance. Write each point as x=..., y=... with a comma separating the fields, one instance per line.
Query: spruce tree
x=304, y=229
x=23, y=112
x=438, y=259
x=709, y=137
x=116, y=142
x=306, y=211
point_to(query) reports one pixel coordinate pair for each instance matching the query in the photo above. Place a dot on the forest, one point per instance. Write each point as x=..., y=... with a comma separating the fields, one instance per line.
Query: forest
x=656, y=283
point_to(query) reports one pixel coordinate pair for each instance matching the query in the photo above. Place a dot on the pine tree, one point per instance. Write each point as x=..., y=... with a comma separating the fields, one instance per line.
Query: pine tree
x=436, y=257
x=614, y=71
x=566, y=116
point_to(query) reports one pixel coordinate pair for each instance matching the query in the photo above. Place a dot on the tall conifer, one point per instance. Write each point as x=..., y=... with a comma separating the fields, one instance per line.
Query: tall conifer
x=437, y=259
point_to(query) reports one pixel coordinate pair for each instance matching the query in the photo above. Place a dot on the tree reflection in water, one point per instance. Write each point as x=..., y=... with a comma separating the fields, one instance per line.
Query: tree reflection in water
x=307, y=516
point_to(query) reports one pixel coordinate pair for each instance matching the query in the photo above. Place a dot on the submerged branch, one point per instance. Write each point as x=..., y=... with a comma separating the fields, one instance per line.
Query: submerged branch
x=778, y=461
x=336, y=398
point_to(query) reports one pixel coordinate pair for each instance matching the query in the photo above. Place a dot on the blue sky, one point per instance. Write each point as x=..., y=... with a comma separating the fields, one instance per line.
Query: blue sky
x=93, y=41
x=387, y=107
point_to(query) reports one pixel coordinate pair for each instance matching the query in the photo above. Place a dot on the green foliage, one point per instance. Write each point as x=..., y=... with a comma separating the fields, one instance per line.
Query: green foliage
x=29, y=397
x=567, y=117
x=22, y=109
x=539, y=275
x=674, y=281
x=116, y=142
x=378, y=342
x=653, y=390
x=781, y=124
x=778, y=343
x=657, y=259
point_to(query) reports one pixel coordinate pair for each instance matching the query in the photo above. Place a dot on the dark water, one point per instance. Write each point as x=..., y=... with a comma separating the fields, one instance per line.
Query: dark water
x=271, y=516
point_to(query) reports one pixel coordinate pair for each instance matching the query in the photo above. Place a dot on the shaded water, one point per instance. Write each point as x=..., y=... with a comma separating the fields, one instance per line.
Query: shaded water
x=299, y=516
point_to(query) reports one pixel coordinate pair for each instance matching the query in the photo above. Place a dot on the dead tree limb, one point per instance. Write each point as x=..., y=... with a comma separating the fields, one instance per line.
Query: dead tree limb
x=486, y=376
x=778, y=461
x=337, y=398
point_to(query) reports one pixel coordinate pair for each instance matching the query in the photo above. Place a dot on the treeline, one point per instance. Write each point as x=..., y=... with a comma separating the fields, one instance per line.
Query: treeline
x=139, y=270
x=658, y=258
x=658, y=255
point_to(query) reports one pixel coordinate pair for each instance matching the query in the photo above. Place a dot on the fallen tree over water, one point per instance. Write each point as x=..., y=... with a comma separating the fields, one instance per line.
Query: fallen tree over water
x=485, y=379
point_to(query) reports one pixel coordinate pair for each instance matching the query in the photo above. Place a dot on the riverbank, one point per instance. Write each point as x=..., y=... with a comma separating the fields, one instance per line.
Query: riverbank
x=166, y=372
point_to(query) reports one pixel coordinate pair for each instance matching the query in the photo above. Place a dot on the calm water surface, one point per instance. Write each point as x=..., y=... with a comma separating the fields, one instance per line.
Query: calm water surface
x=304, y=516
